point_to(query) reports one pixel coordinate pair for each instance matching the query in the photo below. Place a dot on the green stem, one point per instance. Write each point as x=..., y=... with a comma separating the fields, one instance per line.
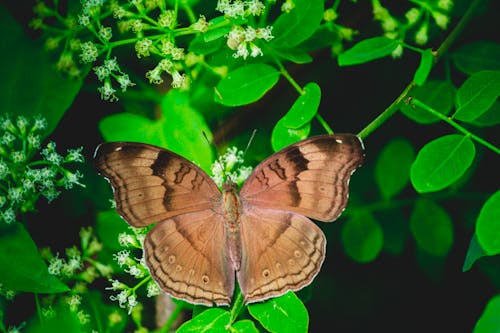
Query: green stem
x=394, y=107
x=389, y=112
x=38, y=308
x=173, y=316
x=417, y=103
x=323, y=123
x=237, y=306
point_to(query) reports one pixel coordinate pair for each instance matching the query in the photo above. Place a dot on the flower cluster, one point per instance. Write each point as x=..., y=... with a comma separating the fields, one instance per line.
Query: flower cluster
x=22, y=179
x=228, y=166
x=417, y=19
x=126, y=296
x=110, y=69
x=243, y=39
x=78, y=264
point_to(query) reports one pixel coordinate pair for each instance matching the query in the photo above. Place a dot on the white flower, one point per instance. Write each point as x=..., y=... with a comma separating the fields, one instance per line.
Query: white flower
x=122, y=257
x=201, y=25
x=142, y=47
x=132, y=302
x=135, y=271
x=89, y=52
x=153, y=289
x=255, y=7
x=121, y=298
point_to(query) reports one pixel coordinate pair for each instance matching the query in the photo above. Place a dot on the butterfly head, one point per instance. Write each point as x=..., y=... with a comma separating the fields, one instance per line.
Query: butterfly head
x=229, y=185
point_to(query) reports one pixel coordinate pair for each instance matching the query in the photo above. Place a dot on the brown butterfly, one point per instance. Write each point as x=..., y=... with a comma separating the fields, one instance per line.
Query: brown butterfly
x=204, y=236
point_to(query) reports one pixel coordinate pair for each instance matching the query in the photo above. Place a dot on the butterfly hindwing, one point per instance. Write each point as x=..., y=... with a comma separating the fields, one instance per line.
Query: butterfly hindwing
x=186, y=256
x=310, y=177
x=151, y=184
x=281, y=251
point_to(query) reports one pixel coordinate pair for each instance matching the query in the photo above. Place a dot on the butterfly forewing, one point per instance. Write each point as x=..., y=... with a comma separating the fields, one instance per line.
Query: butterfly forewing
x=281, y=251
x=187, y=257
x=310, y=177
x=151, y=184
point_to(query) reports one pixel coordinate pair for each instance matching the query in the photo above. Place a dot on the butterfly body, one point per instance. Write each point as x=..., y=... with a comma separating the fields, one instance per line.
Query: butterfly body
x=232, y=213
x=205, y=238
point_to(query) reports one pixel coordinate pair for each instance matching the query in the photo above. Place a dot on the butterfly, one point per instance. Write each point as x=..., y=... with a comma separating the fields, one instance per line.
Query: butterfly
x=205, y=238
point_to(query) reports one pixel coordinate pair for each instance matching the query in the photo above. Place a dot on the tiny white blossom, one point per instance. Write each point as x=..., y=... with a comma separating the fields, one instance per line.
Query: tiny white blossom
x=121, y=298
x=9, y=215
x=122, y=257
x=167, y=19
x=107, y=92
x=142, y=47
x=125, y=239
x=55, y=265
x=441, y=19
x=83, y=20
x=255, y=50
x=413, y=15
x=89, y=52
x=179, y=80
x=421, y=36
x=201, y=25
x=132, y=302
x=105, y=33
x=255, y=7
x=265, y=33
x=154, y=75
x=74, y=301
x=124, y=82
x=152, y=289
x=241, y=51
x=135, y=271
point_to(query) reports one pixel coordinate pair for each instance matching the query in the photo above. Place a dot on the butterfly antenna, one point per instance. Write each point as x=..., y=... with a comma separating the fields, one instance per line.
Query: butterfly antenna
x=249, y=143
x=221, y=166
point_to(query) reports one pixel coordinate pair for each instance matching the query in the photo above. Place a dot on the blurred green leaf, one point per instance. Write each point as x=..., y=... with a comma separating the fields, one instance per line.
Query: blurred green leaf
x=211, y=320
x=21, y=267
x=392, y=170
x=474, y=252
x=246, y=84
x=437, y=94
x=367, y=50
x=184, y=127
x=489, y=322
x=64, y=321
x=477, y=94
x=283, y=136
x=441, y=162
x=180, y=129
x=395, y=228
x=304, y=108
x=299, y=24
x=282, y=314
x=200, y=45
x=108, y=226
x=29, y=83
x=431, y=227
x=294, y=55
x=490, y=117
x=216, y=33
x=477, y=56
x=488, y=225
x=244, y=326
x=424, y=68
x=362, y=238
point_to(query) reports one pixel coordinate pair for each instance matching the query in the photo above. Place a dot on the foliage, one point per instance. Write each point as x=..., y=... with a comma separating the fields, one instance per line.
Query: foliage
x=181, y=74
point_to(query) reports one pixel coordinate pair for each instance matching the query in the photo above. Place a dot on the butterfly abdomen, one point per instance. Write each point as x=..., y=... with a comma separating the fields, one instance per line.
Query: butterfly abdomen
x=232, y=213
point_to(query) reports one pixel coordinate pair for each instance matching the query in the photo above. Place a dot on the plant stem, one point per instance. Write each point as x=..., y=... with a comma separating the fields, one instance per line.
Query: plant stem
x=238, y=304
x=460, y=128
x=389, y=112
x=166, y=327
x=394, y=107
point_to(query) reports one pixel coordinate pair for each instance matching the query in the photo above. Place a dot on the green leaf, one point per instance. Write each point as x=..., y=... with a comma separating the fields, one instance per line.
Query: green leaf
x=294, y=55
x=424, y=68
x=489, y=321
x=299, y=24
x=282, y=314
x=200, y=45
x=108, y=226
x=246, y=84
x=211, y=320
x=488, y=225
x=305, y=107
x=474, y=252
x=21, y=267
x=490, y=118
x=477, y=94
x=180, y=129
x=183, y=127
x=432, y=228
x=244, y=326
x=441, y=162
x=368, y=50
x=219, y=32
x=65, y=321
x=29, y=83
x=392, y=170
x=477, y=56
x=436, y=94
x=283, y=136
x=362, y=238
